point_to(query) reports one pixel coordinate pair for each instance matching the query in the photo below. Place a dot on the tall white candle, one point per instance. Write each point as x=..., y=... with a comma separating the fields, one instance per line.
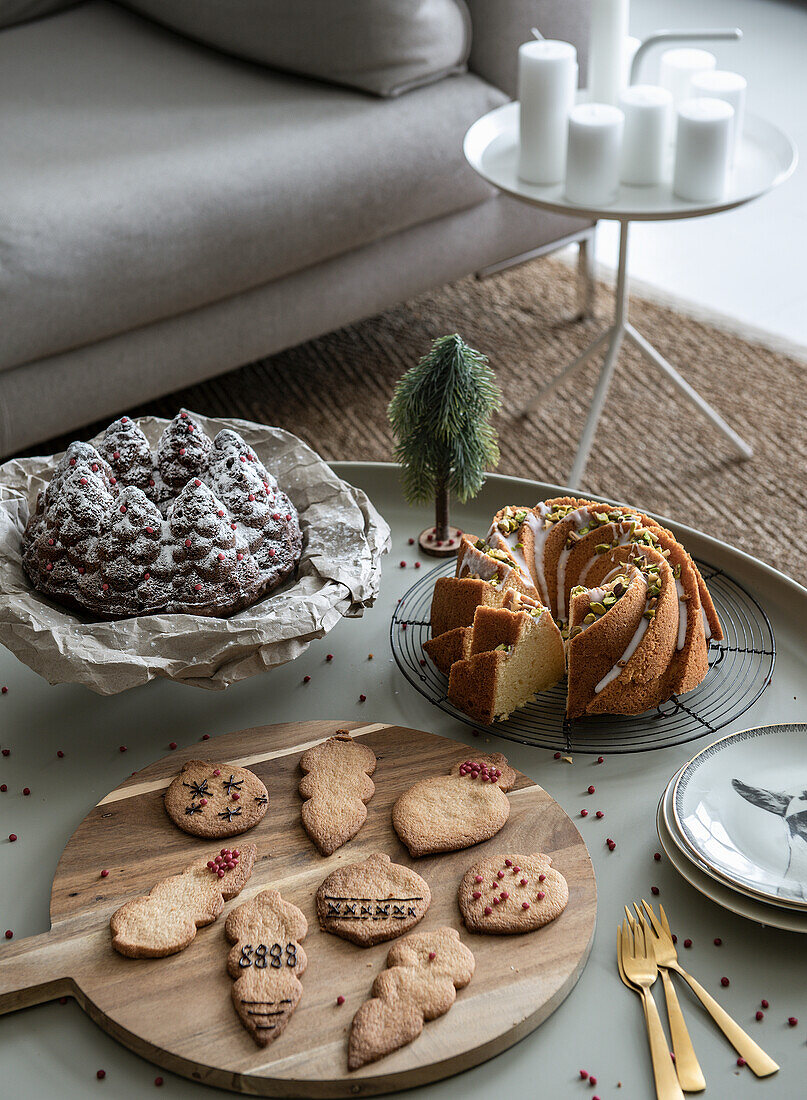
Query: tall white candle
x=702, y=149
x=678, y=68
x=646, y=109
x=592, y=163
x=609, y=29
x=547, y=83
x=720, y=84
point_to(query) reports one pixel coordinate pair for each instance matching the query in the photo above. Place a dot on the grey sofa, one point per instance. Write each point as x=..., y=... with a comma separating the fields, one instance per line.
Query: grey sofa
x=170, y=212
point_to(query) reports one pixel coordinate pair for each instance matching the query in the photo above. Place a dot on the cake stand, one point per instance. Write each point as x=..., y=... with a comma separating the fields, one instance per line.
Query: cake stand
x=766, y=157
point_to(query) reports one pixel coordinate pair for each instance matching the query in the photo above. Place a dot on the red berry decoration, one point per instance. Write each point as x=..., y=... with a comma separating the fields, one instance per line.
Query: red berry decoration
x=158, y=1081
x=599, y=814
x=3, y=787
x=101, y=1074
x=591, y=790
x=172, y=744
x=592, y=1081
x=583, y=1075
x=657, y=857
x=584, y=813
x=403, y=565
x=760, y=1014
x=105, y=873
x=557, y=756
x=306, y=679
x=122, y=748
x=718, y=941
x=12, y=837
x=793, y=1021
x=4, y=690
x=329, y=657
x=362, y=698
x=6, y=752
x=340, y=1000
x=26, y=790
x=724, y=982
x=687, y=943
x=9, y=934
x=741, y=1062
x=764, y=1003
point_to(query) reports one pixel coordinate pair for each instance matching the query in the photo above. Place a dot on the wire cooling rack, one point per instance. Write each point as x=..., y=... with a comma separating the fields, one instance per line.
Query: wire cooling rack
x=740, y=668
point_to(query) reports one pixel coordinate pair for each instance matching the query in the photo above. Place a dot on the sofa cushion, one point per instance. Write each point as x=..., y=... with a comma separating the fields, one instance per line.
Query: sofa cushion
x=143, y=176
x=381, y=46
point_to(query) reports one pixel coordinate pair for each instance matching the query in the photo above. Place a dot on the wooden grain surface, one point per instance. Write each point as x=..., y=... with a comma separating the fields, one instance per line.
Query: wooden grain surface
x=177, y=1011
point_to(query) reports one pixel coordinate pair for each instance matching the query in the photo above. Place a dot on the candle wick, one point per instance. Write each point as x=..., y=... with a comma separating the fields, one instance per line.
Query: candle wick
x=537, y=34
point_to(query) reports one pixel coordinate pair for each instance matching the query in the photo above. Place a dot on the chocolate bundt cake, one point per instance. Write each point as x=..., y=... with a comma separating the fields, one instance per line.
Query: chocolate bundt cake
x=198, y=527
x=634, y=611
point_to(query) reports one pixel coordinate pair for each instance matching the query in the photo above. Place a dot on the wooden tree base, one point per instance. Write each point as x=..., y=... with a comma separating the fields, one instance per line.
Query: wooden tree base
x=427, y=542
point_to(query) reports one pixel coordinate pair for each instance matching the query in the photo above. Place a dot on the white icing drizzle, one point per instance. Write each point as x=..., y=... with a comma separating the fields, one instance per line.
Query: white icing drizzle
x=579, y=517
x=480, y=565
x=539, y=534
x=707, y=630
x=630, y=649
x=508, y=542
x=682, y=618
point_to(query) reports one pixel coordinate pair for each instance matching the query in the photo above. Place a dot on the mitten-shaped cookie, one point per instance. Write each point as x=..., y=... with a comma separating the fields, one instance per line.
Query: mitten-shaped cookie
x=423, y=973
x=266, y=961
x=336, y=787
x=165, y=920
x=454, y=811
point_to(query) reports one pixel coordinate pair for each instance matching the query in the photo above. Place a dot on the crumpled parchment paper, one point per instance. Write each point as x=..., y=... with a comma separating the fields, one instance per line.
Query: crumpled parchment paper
x=338, y=574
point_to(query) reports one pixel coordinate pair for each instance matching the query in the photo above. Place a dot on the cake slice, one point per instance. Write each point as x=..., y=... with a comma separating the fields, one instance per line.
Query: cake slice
x=448, y=647
x=512, y=655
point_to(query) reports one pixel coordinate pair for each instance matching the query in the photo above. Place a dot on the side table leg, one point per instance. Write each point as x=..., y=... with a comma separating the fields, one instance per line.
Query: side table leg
x=586, y=285
x=567, y=372
x=647, y=349
x=597, y=405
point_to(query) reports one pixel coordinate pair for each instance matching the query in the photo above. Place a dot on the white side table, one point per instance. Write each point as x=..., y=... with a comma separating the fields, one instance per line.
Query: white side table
x=765, y=158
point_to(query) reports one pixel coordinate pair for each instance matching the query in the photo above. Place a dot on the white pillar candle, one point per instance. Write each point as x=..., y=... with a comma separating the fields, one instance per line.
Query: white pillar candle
x=646, y=108
x=629, y=48
x=609, y=29
x=702, y=149
x=678, y=68
x=547, y=83
x=720, y=84
x=592, y=163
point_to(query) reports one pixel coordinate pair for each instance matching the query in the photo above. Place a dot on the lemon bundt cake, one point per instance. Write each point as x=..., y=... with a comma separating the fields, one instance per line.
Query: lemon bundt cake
x=200, y=526
x=631, y=605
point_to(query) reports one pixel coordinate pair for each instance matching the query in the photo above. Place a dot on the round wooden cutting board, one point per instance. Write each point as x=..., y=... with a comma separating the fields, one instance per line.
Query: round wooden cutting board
x=177, y=1011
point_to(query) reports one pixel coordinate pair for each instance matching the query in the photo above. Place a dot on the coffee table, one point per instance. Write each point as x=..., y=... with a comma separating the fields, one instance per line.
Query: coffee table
x=766, y=157
x=55, y=1049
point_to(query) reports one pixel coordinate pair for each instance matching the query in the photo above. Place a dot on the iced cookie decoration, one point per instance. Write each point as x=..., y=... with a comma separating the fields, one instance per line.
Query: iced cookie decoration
x=165, y=920
x=267, y=962
x=372, y=901
x=215, y=800
x=336, y=786
x=511, y=894
x=423, y=973
x=454, y=811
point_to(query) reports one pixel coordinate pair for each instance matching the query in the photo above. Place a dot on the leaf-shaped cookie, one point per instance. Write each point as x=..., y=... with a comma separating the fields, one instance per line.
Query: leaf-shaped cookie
x=336, y=787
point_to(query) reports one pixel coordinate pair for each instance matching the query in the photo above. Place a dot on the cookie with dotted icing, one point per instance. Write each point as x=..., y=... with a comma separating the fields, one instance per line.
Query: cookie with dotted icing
x=424, y=972
x=165, y=920
x=336, y=786
x=215, y=800
x=511, y=894
x=267, y=961
x=449, y=812
x=372, y=901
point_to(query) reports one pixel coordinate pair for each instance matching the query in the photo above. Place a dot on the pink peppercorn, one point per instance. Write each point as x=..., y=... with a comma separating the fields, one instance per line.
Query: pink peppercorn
x=741, y=1062
x=557, y=756
x=523, y=882
x=12, y=837
x=476, y=895
x=540, y=895
x=592, y=1081
x=657, y=857
x=432, y=956
x=611, y=845
x=760, y=1015
x=591, y=789
x=403, y=565
x=792, y=1020
x=477, y=878
x=9, y=934
x=4, y=690
x=172, y=744
x=718, y=941
x=306, y=679
x=488, y=910
x=3, y=787
x=6, y=752
x=525, y=905
x=411, y=542
x=600, y=759
x=724, y=982
x=654, y=891
x=584, y=813
x=59, y=753
x=158, y=1081
x=329, y=657
x=205, y=736
x=764, y=1003
x=122, y=748
x=583, y=1075
x=101, y=1074
x=417, y=565
x=541, y=878
x=26, y=790
x=687, y=943
x=340, y=1000
x=362, y=698
x=105, y=873
x=599, y=814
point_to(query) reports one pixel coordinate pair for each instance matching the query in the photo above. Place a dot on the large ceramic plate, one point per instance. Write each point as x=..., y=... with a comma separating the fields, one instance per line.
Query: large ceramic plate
x=740, y=805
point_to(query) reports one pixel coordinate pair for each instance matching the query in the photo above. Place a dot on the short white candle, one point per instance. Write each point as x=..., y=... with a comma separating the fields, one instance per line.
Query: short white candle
x=629, y=48
x=702, y=149
x=609, y=29
x=646, y=109
x=592, y=164
x=678, y=68
x=547, y=83
x=720, y=84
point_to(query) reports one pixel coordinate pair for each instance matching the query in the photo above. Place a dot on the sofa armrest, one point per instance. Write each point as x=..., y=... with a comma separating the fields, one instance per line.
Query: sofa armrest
x=500, y=26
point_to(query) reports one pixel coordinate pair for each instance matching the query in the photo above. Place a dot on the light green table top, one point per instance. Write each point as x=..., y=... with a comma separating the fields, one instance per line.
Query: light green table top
x=55, y=1050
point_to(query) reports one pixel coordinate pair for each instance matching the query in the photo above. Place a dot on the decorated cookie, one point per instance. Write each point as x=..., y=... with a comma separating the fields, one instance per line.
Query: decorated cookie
x=336, y=787
x=449, y=812
x=266, y=961
x=372, y=901
x=512, y=894
x=215, y=800
x=423, y=973
x=165, y=920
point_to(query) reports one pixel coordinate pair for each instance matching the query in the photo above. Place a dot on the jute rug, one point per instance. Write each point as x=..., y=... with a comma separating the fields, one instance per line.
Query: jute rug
x=652, y=449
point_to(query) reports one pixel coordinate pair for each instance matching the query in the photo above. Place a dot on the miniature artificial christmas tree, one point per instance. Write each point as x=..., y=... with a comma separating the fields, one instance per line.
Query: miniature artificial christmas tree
x=440, y=415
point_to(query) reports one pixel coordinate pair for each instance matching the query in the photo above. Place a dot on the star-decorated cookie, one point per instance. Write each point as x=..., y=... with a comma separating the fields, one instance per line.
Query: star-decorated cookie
x=165, y=920
x=454, y=811
x=215, y=800
x=510, y=894
x=372, y=901
x=336, y=786
x=267, y=960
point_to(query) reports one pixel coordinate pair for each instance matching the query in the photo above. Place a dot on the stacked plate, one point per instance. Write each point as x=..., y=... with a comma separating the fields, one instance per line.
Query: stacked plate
x=733, y=823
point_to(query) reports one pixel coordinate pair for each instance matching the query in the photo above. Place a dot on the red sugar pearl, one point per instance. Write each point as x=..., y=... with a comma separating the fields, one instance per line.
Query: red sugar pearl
x=792, y=1020
x=235, y=796
x=591, y=789
x=541, y=878
x=687, y=943
x=417, y=565
x=516, y=870
x=101, y=1074
x=105, y=873
x=340, y=1000
x=216, y=772
x=504, y=895
x=123, y=509
x=764, y=1003
x=411, y=542
x=12, y=837
x=197, y=588
x=202, y=801
x=500, y=874
x=760, y=1015
x=220, y=513
x=26, y=790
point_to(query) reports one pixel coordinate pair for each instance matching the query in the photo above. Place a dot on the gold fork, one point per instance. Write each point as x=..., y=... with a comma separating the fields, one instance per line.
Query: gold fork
x=667, y=957
x=690, y=1074
x=638, y=970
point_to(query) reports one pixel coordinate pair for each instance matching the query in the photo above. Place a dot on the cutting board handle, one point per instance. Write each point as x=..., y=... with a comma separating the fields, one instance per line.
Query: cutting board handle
x=35, y=970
